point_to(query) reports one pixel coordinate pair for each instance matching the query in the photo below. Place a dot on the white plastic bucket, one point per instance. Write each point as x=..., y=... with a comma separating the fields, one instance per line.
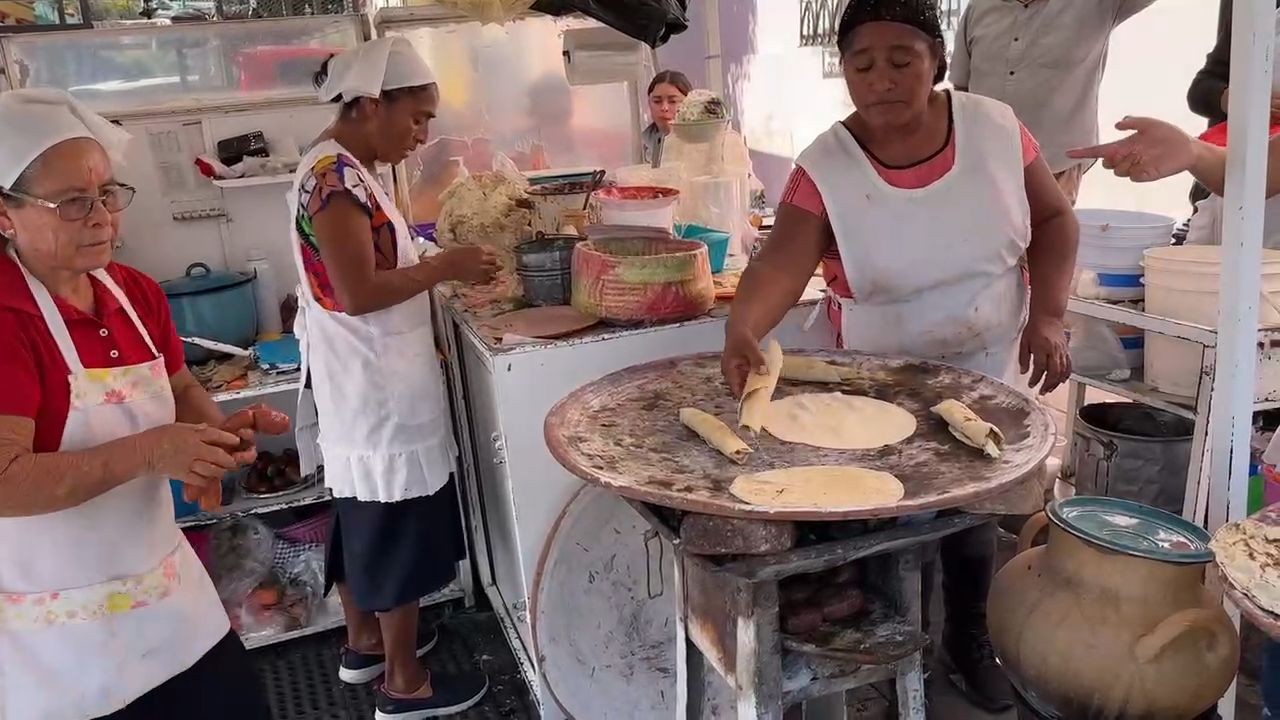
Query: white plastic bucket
x=638, y=206
x=1111, y=247
x=1182, y=284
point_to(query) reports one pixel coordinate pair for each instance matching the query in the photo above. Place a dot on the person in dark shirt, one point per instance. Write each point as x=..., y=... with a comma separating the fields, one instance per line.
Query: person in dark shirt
x=1207, y=96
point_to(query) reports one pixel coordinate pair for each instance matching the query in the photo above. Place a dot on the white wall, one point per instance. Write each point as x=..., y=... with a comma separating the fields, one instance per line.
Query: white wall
x=782, y=101
x=1153, y=58
x=255, y=217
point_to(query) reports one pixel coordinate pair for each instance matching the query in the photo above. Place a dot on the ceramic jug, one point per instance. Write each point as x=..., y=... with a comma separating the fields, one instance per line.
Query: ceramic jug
x=1110, y=620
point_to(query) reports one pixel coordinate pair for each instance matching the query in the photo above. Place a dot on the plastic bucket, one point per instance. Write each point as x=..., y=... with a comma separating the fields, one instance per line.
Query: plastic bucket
x=1111, y=246
x=717, y=242
x=1133, y=452
x=1182, y=284
x=638, y=205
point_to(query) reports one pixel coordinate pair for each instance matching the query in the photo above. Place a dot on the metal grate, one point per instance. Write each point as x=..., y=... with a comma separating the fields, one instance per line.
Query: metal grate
x=301, y=676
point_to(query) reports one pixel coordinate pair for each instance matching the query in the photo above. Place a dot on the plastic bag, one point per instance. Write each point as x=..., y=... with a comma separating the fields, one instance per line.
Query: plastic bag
x=652, y=22
x=287, y=599
x=1096, y=350
x=242, y=552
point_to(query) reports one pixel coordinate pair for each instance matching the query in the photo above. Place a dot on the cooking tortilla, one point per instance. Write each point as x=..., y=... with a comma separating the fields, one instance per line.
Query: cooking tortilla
x=838, y=422
x=820, y=487
x=758, y=391
x=807, y=369
x=1248, y=552
x=969, y=428
x=715, y=433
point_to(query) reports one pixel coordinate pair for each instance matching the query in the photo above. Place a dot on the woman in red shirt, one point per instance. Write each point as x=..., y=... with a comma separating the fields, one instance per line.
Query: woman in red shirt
x=104, y=608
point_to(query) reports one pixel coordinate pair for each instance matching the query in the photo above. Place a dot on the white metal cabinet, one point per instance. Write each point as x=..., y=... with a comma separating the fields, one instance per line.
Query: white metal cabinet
x=516, y=490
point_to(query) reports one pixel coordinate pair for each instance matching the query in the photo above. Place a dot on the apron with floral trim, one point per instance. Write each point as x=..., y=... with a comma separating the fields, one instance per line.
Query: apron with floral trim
x=102, y=602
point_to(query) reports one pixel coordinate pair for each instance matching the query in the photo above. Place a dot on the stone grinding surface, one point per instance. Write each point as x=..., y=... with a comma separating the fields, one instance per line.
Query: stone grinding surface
x=623, y=432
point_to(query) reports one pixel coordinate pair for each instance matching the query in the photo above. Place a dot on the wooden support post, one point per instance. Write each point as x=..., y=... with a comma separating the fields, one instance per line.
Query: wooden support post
x=910, y=677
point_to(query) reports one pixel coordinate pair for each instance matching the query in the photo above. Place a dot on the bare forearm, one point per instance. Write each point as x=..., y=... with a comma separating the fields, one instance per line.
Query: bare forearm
x=40, y=483
x=1210, y=166
x=388, y=288
x=764, y=296
x=1051, y=261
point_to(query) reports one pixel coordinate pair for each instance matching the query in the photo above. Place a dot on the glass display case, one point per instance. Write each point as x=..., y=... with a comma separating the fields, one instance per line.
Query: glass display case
x=141, y=70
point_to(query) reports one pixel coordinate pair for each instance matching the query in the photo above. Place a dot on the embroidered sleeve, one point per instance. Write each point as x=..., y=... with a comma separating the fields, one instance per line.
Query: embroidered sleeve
x=330, y=177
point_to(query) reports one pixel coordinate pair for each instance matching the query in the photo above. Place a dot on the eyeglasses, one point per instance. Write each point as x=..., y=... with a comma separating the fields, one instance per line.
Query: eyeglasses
x=74, y=209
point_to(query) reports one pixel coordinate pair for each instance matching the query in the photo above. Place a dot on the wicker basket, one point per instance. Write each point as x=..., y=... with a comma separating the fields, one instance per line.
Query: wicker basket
x=630, y=281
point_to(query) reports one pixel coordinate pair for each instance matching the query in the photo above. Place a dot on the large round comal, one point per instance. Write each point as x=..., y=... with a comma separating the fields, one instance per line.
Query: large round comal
x=1110, y=620
x=214, y=305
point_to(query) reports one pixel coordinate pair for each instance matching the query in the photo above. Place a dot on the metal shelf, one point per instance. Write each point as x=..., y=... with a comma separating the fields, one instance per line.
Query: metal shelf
x=329, y=617
x=284, y=382
x=1198, y=334
x=243, y=506
x=1137, y=391
x=256, y=181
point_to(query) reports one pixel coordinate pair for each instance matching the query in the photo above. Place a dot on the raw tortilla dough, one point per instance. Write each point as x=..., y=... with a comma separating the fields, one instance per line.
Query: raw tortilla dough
x=838, y=421
x=758, y=391
x=1249, y=554
x=821, y=487
x=715, y=433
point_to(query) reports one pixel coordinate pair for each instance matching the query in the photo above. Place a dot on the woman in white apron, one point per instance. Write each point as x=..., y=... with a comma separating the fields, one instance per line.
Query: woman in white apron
x=105, y=610
x=921, y=206
x=374, y=379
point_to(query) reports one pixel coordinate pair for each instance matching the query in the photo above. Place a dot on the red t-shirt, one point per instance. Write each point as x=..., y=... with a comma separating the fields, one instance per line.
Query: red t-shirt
x=33, y=375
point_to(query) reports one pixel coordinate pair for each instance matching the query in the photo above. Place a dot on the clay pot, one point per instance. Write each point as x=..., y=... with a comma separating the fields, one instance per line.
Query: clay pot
x=1111, y=620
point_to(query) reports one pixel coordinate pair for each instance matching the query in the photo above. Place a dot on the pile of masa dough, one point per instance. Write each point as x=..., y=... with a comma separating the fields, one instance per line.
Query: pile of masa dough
x=487, y=208
x=701, y=106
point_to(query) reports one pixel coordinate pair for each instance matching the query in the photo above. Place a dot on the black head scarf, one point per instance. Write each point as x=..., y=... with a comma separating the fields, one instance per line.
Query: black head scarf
x=922, y=15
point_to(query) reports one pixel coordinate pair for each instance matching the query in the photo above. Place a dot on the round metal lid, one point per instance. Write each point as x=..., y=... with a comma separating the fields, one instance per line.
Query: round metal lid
x=1132, y=529
x=200, y=278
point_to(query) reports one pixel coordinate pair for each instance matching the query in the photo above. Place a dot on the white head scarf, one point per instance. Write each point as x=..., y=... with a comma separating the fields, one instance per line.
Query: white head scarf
x=387, y=63
x=35, y=120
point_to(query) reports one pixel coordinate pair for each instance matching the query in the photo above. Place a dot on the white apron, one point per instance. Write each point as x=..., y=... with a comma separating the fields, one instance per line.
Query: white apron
x=382, y=424
x=935, y=271
x=103, y=602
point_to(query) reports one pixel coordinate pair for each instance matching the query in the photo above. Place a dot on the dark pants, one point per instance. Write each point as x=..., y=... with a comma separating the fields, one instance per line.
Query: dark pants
x=222, y=685
x=968, y=563
x=1271, y=680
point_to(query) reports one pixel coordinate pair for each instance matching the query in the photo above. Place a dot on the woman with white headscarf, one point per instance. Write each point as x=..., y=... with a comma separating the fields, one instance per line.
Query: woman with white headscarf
x=369, y=351
x=105, y=610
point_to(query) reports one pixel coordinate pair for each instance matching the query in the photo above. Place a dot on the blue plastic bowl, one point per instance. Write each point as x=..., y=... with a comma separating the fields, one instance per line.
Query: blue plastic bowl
x=717, y=242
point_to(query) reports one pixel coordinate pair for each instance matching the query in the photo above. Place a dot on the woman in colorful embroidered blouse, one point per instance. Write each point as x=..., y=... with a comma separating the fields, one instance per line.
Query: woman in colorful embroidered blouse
x=384, y=430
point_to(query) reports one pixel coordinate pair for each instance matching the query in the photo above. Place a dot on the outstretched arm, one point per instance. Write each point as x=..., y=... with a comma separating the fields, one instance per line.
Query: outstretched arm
x=1156, y=150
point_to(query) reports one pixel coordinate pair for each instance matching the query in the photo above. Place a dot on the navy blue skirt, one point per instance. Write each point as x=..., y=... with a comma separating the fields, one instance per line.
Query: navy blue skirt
x=393, y=554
